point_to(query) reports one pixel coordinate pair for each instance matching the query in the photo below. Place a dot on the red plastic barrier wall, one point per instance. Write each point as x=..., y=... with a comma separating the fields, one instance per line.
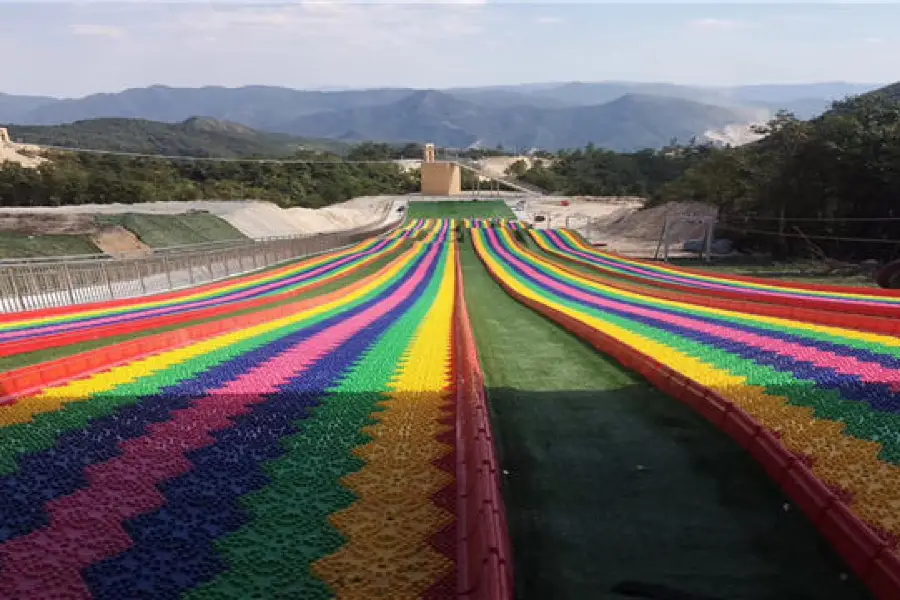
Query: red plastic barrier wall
x=29, y=380
x=870, y=557
x=484, y=553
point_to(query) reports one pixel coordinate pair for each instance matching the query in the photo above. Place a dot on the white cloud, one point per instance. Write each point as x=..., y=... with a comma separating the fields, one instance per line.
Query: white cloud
x=546, y=20
x=713, y=24
x=104, y=31
x=397, y=23
x=876, y=41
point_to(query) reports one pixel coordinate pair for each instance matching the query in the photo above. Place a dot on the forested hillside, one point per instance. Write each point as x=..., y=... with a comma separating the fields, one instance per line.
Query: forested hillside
x=828, y=186
x=90, y=178
x=597, y=172
x=197, y=136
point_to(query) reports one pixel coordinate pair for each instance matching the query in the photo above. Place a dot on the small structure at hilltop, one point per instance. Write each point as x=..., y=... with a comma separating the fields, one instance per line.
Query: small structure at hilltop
x=439, y=178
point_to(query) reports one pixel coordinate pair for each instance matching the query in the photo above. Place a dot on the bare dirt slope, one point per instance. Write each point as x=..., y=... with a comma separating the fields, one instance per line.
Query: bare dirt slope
x=368, y=211
x=255, y=218
x=118, y=241
x=579, y=210
x=113, y=240
x=621, y=223
x=638, y=233
x=47, y=224
x=497, y=165
x=21, y=154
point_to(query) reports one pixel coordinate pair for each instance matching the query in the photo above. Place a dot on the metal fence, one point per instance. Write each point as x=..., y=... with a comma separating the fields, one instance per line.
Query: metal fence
x=44, y=283
x=519, y=186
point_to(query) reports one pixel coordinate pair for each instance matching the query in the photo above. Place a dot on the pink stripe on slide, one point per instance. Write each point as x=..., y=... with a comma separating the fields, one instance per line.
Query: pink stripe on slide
x=86, y=526
x=736, y=286
x=196, y=304
x=867, y=371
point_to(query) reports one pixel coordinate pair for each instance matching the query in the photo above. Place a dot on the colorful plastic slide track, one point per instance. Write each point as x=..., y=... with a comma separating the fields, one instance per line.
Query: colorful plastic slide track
x=756, y=305
x=337, y=446
x=848, y=301
x=818, y=406
x=30, y=332
x=235, y=294
x=219, y=291
x=493, y=222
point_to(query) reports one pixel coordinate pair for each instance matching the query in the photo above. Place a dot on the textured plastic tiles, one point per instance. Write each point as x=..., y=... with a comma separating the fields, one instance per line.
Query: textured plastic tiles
x=307, y=452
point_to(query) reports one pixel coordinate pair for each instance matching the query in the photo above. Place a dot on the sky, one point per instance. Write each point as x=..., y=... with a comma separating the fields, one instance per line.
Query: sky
x=78, y=48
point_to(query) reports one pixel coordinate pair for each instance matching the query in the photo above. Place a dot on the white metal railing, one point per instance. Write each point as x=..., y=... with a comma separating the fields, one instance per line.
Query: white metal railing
x=32, y=284
x=519, y=186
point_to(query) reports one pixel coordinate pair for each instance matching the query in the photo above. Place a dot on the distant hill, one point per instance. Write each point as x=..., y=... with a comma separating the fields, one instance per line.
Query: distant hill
x=793, y=92
x=886, y=97
x=888, y=93
x=193, y=137
x=17, y=109
x=630, y=122
x=261, y=107
x=424, y=115
x=548, y=115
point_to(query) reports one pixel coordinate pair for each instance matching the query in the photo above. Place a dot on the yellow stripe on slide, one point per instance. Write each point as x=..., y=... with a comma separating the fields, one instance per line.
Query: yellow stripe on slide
x=53, y=398
x=396, y=485
x=875, y=338
x=260, y=280
x=747, y=285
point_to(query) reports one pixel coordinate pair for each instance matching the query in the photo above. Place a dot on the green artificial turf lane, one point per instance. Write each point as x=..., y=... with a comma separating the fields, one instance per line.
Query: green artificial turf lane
x=7, y=363
x=162, y=231
x=459, y=209
x=15, y=244
x=610, y=481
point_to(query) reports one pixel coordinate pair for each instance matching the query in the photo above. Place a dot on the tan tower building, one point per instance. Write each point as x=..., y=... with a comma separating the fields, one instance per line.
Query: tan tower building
x=439, y=178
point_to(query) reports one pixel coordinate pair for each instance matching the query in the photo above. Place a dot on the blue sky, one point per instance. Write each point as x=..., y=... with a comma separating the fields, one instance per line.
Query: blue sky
x=72, y=49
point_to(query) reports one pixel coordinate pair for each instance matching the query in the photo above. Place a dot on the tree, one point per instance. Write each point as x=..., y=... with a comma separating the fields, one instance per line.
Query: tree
x=518, y=168
x=785, y=135
x=71, y=179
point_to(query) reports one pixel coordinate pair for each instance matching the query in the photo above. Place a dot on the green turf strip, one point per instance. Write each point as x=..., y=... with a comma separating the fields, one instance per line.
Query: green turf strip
x=610, y=480
x=699, y=312
x=42, y=432
x=289, y=527
x=8, y=363
x=459, y=209
x=862, y=421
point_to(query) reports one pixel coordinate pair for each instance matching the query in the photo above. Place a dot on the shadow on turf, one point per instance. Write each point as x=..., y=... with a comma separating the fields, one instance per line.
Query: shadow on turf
x=628, y=493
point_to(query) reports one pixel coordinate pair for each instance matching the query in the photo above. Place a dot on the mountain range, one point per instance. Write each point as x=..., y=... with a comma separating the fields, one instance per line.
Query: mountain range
x=197, y=136
x=617, y=115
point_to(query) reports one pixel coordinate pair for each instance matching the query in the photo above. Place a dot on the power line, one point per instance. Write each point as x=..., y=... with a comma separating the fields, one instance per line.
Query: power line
x=819, y=219
x=218, y=159
x=288, y=161
x=807, y=236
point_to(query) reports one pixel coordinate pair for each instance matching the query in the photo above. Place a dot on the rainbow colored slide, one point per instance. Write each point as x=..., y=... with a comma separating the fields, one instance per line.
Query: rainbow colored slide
x=252, y=460
x=821, y=405
x=570, y=246
x=322, y=429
